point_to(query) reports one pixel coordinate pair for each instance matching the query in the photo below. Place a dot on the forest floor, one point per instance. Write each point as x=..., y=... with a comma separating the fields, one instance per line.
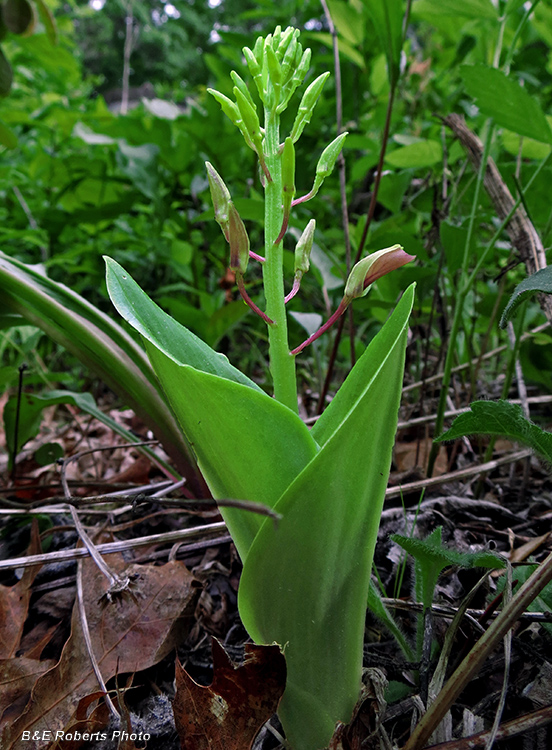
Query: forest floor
x=168, y=584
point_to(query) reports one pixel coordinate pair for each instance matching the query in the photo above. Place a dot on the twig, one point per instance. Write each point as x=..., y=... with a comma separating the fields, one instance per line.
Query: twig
x=446, y=612
x=454, y=476
x=526, y=723
x=108, y=547
x=466, y=365
x=89, y=647
x=22, y=367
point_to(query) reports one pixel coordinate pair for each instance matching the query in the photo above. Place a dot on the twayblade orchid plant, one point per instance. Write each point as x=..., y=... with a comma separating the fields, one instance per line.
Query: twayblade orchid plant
x=304, y=583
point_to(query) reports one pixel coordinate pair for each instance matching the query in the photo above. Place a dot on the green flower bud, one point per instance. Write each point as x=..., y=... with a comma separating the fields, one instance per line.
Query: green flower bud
x=258, y=50
x=288, y=184
x=308, y=103
x=298, y=71
x=303, y=248
x=221, y=198
x=287, y=41
x=255, y=68
x=373, y=267
x=241, y=85
x=274, y=73
x=248, y=114
x=329, y=156
x=326, y=164
x=288, y=59
x=288, y=172
x=239, y=241
x=275, y=41
x=232, y=111
x=229, y=108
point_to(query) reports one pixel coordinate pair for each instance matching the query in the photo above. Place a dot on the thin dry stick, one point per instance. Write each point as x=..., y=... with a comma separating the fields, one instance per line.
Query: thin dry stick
x=89, y=647
x=507, y=663
x=455, y=476
x=108, y=547
x=115, y=581
x=441, y=610
x=474, y=660
x=526, y=723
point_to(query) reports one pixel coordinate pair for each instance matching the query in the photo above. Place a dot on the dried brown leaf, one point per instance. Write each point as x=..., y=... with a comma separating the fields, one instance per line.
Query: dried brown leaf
x=129, y=634
x=14, y=602
x=229, y=713
x=17, y=677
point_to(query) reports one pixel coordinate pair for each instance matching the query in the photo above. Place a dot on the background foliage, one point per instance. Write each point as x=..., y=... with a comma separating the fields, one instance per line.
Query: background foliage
x=79, y=179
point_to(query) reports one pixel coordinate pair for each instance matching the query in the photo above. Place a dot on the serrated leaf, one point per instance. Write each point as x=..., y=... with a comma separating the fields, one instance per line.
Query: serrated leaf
x=330, y=519
x=434, y=554
x=500, y=418
x=502, y=98
x=541, y=281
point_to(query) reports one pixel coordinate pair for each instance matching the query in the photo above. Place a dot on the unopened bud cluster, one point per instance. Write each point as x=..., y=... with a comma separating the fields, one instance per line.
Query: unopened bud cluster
x=278, y=65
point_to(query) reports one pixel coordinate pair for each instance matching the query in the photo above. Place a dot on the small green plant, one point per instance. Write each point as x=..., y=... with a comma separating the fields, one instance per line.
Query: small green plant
x=305, y=582
x=501, y=418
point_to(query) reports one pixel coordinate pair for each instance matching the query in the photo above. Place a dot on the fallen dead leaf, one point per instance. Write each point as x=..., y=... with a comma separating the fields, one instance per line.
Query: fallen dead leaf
x=229, y=713
x=365, y=731
x=128, y=635
x=14, y=602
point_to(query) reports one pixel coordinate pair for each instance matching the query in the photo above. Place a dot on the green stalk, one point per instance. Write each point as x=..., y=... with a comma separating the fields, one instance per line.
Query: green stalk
x=282, y=364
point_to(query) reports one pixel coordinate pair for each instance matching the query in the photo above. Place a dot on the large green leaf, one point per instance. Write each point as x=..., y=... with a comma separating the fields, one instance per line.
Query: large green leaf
x=305, y=583
x=541, y=281
x=164, y=332
x=500, y=418
x=98, y=342
x=249, y=446
x=500, y=97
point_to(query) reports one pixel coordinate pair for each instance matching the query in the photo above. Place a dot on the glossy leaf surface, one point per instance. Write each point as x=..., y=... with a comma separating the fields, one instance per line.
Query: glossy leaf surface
x=305, y=584
x=164, y=332
x=248, y=446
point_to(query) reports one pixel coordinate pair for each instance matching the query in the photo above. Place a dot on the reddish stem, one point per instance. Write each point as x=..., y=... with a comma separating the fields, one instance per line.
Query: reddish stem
x=283, y=230
x=302, y=199
x=343, y=305
x=294, y=289
x=248, y=301
x=254, y=256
